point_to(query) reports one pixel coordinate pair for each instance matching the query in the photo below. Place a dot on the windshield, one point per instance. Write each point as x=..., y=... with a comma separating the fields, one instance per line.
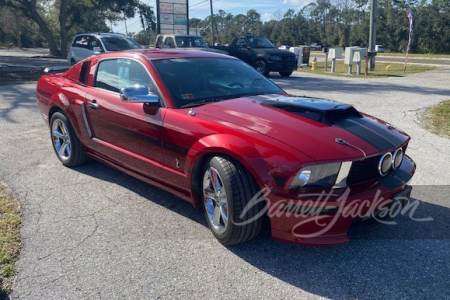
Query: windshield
x=260, y=42
x=197, y=81
x=190, y=42
x=120, y=43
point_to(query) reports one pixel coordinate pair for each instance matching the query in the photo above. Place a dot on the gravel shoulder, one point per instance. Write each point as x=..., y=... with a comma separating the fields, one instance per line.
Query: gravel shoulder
x=94, y=233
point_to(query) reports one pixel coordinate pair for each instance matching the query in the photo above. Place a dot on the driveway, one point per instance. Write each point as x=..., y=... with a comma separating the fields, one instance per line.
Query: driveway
x=17, y=60
x=93, y=232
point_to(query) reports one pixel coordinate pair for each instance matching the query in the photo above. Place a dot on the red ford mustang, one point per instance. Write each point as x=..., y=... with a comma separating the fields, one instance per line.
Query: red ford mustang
x=211, y=130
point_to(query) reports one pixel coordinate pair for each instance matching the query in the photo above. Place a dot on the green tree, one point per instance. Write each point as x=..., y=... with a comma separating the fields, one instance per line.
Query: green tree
x=68, y=13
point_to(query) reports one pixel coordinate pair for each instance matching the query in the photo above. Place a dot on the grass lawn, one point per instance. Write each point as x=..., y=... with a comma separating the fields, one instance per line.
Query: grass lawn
x=10, y=241
x=427, y=55
x=342, y=70
x=437, y=119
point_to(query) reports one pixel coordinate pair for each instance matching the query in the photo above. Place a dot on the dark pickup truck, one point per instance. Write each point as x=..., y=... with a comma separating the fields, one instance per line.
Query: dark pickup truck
x=260, y=53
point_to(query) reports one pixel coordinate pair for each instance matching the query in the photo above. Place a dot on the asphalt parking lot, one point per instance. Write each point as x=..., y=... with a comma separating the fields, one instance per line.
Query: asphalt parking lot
x=95, y=233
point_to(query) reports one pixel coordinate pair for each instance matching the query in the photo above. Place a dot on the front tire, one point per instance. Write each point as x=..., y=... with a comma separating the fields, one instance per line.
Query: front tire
x=262, y=68
x=285, y=74
x=65, y=142
x=227, y=189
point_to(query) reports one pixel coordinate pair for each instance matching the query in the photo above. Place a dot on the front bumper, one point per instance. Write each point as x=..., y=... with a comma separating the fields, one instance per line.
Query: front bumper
x=282, y=66
x=325, y=218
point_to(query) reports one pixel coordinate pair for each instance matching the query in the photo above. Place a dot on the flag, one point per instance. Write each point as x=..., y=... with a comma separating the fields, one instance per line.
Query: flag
x=411, y=31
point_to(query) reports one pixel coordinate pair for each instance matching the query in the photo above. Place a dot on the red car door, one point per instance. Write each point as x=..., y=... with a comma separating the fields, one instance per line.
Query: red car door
x=129, y=134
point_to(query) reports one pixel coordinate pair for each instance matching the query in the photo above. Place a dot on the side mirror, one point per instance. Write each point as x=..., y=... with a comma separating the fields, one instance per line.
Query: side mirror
x=138, y=94
x=97, y=50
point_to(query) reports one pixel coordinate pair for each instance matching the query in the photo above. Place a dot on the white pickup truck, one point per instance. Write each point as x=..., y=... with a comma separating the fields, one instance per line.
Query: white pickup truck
x=184, y=42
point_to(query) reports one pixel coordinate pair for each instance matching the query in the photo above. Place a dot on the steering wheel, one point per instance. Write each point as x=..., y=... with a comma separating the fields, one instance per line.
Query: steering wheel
x=236, y=84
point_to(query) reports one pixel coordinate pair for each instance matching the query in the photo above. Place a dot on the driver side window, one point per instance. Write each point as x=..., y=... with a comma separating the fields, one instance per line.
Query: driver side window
x=241, y=43
x=115, y=74
x=169, y=43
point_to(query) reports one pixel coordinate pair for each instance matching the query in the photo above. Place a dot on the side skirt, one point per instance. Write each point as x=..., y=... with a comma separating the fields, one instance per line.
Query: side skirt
x=185, y=196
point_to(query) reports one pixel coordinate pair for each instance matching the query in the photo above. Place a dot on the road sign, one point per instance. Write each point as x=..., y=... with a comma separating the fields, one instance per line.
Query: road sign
x=172, y=16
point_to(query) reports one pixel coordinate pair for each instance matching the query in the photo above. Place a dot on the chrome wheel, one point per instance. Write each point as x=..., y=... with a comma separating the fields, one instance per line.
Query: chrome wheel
x=216, y=202
x=61, y=139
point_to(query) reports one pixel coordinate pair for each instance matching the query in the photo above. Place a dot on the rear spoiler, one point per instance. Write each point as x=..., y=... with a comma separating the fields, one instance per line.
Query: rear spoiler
x=54, y=70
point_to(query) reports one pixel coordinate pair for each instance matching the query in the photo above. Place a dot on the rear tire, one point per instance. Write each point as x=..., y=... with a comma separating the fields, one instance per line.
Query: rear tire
x=65, y=142
x=262, y=68
x=285, y=74
x=225, y=200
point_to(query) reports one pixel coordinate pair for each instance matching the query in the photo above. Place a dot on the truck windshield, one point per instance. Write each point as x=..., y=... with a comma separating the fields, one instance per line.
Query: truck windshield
x=260, y=42
x=190, y=42
x=120, y=44
x=197, y=81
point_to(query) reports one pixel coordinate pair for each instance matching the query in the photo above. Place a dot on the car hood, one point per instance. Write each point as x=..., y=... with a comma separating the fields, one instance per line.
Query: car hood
x=312, y=126
x=274, y=51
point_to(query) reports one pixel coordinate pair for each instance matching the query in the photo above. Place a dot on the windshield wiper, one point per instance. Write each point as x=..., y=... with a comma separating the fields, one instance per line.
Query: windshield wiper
x=206, y=101
x=254, y=94
x=200, y=103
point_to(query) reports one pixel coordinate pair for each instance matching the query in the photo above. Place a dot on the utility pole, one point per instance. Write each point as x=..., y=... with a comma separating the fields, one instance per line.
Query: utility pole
x=373, y=32
x=212, y=22
x=126, y=28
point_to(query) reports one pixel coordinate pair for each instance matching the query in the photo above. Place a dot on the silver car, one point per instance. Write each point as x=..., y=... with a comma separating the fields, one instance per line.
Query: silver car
x=88, y=44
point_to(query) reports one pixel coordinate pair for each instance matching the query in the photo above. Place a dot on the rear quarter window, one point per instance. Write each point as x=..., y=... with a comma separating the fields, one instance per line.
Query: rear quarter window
x=81, y=42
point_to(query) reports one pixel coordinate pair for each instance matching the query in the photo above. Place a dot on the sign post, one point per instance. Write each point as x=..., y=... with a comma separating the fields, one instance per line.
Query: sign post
x=172, y=16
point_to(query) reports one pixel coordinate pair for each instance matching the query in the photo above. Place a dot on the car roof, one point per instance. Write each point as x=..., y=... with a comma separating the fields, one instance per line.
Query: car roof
x=103, y=34
x=251, y=35
x=179, y=35
x=156, y=54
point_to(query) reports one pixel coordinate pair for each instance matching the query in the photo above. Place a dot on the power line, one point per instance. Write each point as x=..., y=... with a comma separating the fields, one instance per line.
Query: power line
x=205, y=4
x=193, y=5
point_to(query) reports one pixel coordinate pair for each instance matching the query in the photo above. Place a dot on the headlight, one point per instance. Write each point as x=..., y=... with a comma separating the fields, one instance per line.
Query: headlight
x=397, y=159
x=385, y=164
x=275, y=58
x=321, y=176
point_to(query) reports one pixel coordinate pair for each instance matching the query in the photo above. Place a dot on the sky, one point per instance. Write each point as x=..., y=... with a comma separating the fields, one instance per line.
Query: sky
x=201, y=9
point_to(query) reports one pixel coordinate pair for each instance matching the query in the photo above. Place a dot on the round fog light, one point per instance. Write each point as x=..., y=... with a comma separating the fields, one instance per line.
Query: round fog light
x=385, y=164
x=398, y=158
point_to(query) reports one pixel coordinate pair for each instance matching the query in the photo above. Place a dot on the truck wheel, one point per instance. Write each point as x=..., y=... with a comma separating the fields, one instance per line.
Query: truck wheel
x=227, y=189
x=285, y=74
x=262, y=68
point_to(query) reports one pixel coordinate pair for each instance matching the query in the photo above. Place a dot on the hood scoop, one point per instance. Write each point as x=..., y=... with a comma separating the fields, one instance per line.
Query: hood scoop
x=323, y=111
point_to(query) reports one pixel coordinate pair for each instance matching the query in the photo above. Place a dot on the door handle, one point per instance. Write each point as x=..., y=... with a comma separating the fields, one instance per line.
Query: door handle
x=93, y=104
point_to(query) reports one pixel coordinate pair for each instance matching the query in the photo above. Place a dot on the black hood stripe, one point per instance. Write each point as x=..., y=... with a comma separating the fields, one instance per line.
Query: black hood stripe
x=382, y=131
x=360, y=130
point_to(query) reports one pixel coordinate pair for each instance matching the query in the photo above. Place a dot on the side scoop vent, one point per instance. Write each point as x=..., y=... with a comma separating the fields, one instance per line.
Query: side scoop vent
x=323, y=111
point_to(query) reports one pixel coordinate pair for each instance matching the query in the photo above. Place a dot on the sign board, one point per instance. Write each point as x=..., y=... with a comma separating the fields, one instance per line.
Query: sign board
x=172, y=16
x=166, y=8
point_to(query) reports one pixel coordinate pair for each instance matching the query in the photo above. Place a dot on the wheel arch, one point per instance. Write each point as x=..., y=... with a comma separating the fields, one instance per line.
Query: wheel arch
x=259, y=58
x=226, y=146
x=60, y=103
